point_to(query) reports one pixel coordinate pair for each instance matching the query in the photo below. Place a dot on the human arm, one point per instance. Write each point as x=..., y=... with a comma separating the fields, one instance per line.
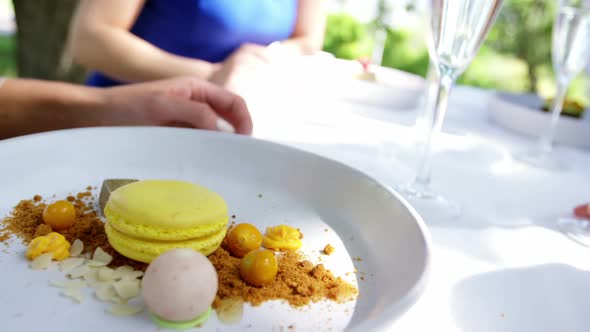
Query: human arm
x=307, y=38
x=31, y=106
x=100, y=40
x=308, y=35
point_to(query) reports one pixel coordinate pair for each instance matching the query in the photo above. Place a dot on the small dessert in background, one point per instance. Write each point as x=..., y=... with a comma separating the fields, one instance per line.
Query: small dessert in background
x=147, y=218
x=259, y=268
x=367, y=73
x=242, y=239
x=60, y=215
x=582, y=211
x=179, y=287
x=571, y=108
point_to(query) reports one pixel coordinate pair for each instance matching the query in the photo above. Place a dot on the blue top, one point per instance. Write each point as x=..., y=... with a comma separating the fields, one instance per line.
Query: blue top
x=209, y=30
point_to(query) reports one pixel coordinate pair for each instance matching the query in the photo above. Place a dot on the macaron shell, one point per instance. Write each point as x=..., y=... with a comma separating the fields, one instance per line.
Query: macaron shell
x=147, y=250
x=168, y=204
x=164, y=232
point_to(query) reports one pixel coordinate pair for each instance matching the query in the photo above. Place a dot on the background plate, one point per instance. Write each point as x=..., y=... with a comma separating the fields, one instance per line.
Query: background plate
x=323, y=77
x=522, y=114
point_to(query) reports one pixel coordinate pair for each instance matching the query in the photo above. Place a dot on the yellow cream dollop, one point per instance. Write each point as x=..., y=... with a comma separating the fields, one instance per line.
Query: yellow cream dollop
x=282, y=237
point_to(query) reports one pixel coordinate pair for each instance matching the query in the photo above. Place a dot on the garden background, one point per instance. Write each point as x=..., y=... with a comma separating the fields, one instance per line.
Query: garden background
x=516, y=56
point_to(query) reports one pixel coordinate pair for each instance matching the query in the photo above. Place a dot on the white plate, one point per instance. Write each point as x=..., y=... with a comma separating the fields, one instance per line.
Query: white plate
x=322, y=77
x=392, y=88
x=364, y=218
x=522, y=114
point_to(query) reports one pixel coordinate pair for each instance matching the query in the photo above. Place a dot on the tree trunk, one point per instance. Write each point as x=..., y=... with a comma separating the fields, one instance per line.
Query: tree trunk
x=42, y=30
x=532, y=74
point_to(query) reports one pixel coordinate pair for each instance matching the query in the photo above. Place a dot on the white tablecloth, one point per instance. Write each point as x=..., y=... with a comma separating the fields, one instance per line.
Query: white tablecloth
x=503, y=266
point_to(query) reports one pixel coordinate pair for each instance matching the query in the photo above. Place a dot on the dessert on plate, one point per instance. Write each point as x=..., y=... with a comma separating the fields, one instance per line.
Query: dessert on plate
x=196, y=260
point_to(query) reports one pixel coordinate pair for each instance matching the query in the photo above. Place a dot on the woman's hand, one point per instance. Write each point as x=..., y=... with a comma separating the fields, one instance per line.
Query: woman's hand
x=32, y=106
x=240, y=66
x=185, y=102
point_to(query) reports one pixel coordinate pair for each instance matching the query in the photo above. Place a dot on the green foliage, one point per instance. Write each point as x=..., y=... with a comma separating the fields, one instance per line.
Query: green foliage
x=492, y=70
x=523, y=29
x=515, y=57
x=7, y=56
x=383, y=8
x=404, y=52
x=346, y=37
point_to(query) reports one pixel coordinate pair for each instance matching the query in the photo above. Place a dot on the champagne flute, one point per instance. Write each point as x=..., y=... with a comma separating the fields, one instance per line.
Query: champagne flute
x=456, y=31
x=570, y=53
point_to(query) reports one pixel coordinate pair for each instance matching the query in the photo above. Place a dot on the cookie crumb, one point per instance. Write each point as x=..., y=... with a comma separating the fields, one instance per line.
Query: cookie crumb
x=4, y=237
x=328, y=249
x=37, y=198
x=298, y=281
x=42, y=230
x=26, y=223
x=83, y=194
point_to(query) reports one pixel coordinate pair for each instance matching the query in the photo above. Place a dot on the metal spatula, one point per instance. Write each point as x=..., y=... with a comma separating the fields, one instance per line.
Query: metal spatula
x=108, y=186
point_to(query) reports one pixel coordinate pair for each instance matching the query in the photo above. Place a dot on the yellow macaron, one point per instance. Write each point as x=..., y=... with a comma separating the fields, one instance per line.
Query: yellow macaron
x=148, y=218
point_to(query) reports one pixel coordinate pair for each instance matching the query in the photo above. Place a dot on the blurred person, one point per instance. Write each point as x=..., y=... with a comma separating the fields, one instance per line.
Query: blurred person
x=222, y=41
x=30, y=106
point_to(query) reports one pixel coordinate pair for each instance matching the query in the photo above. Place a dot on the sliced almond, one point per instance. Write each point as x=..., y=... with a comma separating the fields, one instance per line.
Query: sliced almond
x=95, y=263
x=58, y=284
x=107, y=293
x=99, y=284
x=127, y=289
x=71, y=263
x=101, y=256
x=105, y=274
x=79, y=272
x=122, y=270
x=131, y=275
x=69, y=284
x=76, y=248
x=230, y=310
x=42, y=262
x=91, y=276
x=74, y=293
x=125, y=309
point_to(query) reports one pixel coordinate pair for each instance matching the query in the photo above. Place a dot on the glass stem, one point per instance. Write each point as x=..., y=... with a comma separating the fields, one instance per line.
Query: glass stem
x=546, y=141
x=435, y=118
x=425, y=117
